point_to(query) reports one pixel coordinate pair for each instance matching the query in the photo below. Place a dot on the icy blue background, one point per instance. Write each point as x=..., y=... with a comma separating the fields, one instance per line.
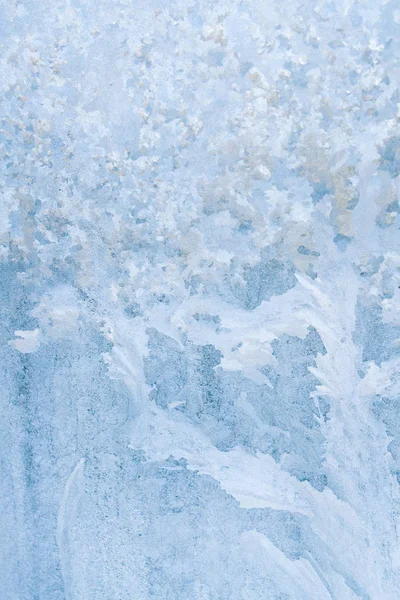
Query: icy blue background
x=200, y=300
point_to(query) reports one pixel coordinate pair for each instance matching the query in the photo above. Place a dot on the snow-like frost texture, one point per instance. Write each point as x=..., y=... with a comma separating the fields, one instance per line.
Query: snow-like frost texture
x=200, y=300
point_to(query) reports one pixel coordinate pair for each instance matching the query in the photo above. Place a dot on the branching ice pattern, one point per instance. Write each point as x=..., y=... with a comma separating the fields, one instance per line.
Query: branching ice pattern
x=200, y=300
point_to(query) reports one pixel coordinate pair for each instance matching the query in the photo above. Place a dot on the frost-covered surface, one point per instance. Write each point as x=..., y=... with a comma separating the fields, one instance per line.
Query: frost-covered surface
x=200, y=300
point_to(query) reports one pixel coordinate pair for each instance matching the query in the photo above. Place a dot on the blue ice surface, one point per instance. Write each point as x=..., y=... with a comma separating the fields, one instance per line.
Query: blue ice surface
x=199, y=300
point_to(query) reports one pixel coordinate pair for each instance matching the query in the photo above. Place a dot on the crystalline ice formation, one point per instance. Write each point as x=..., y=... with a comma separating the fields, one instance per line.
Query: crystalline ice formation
x=200, y=300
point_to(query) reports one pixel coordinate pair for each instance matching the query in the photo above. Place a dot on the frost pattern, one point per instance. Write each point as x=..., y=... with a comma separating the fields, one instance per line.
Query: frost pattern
x=200, y=300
